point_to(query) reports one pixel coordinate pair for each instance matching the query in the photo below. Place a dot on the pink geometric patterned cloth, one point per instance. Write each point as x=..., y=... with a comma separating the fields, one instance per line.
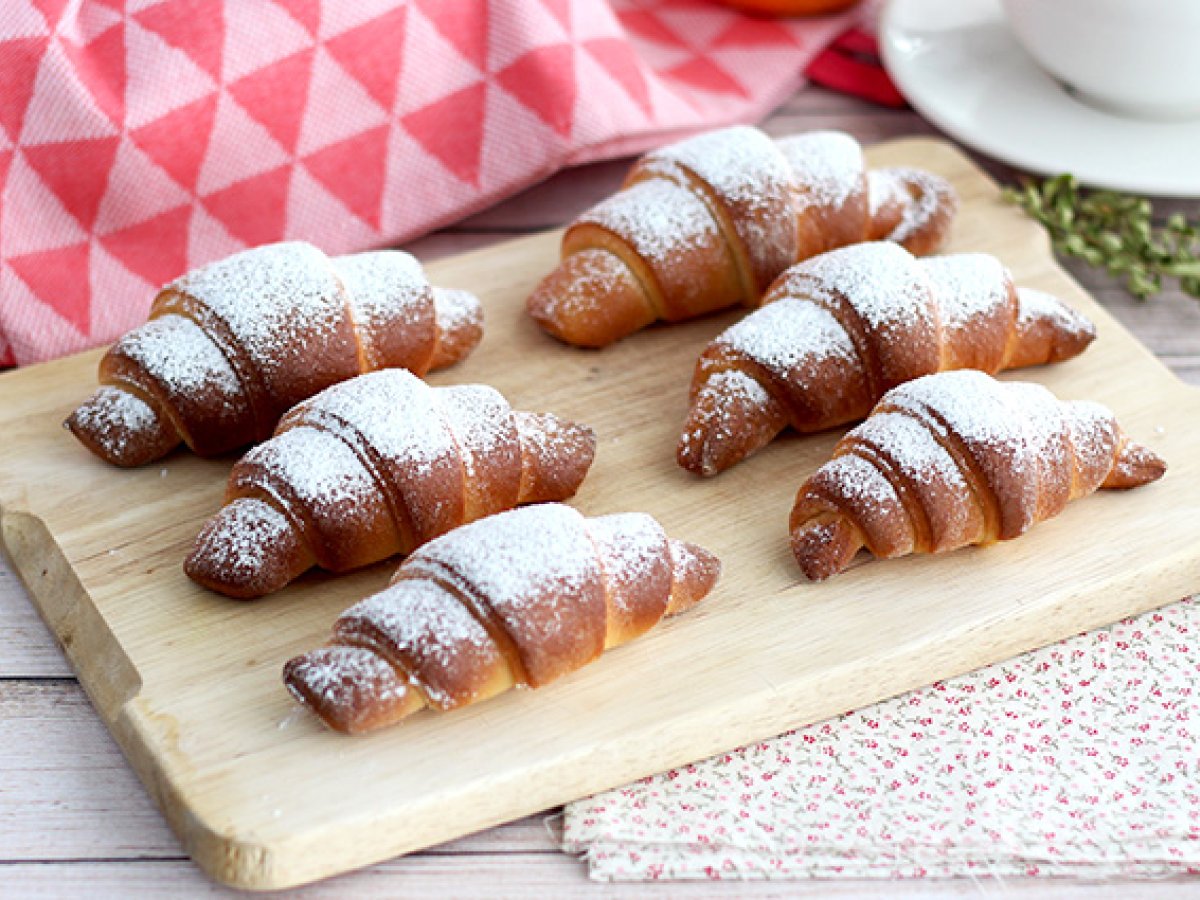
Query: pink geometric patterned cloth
x=140, y=139
x=1079, y=760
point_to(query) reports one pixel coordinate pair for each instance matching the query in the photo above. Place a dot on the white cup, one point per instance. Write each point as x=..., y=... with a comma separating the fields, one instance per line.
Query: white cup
x=1137, y=58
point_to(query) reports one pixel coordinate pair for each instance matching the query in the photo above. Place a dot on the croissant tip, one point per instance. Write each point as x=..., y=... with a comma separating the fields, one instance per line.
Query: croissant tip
x=459, y=317
x=695, y=573
x=590, y=300
x=1135, y=465
x=122, y=428
x=824, y=546
x=247, y=550
x=731, y=418
x=351, y=689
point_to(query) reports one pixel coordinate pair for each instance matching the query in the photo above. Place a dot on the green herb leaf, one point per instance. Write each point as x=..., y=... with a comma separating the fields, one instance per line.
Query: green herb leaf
x=1115, y=232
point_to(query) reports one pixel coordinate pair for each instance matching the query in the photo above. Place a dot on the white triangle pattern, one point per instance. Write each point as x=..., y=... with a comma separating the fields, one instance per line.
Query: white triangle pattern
x=421, y=192
x=608, y=109
x=138, y=190
x=313, y=210
x=433, y=68
x=160, y=78
x=27, y=199
x=34, y=329
x=239, y=148
x=518, y=26
x=208, y=239
x=258, y=33
x=111, y=279
x=22, y=20
x=594, y=20
x=539, y=144
x=62, y=109
x=338, y=18
x=90, y=21
x=696, y=27
x=338, y=107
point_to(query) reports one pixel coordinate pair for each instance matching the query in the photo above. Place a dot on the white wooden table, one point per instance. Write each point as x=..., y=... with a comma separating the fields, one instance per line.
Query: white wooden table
x=74, y=821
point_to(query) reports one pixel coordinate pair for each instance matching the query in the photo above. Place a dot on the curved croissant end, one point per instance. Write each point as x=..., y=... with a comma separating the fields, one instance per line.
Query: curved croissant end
x=1048, y=330
x=352, y=689
x=1135, y=465
x=910, y=207
x=591, y=300
x=731, y=417
x=824, y=545
x=694, y=573
x=247, y=550
x=459, y=316
x=123, y=428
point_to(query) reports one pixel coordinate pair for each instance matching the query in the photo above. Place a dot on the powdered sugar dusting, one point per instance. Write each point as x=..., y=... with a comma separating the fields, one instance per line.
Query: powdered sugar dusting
x=480, y=419
x=923, y=194
x=113, y=416
x=1037, y=306
x=246, y=535
x=271, y=297
x=1015, y=423
x=656, y=217
x=750, y=176
x=431, y=625
x=514, y=556
x=860, y=482
x=385, y=287
x=740, y=163
x=969, y=287
x=883, y=282
x=322, y=471
x=396, y=413
x=827, y=166
x=176, y=352
x=633, y=544
x=337, y=676
x=456, y=310
x=912, y=447
x=789, y=334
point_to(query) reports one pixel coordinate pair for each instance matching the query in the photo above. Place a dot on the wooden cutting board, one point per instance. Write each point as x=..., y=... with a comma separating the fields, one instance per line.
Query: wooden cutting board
x=263, y=797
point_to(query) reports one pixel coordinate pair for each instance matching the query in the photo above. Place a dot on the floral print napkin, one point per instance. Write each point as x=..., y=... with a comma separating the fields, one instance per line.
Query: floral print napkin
x=1081, y=759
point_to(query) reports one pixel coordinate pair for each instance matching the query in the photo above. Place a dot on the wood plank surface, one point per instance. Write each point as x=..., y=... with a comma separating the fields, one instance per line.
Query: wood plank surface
x=62, y=850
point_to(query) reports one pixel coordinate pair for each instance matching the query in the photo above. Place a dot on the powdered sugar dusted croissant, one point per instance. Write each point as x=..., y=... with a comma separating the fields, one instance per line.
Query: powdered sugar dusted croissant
x=375, y=466
x=520, y=598
x=958, y=458
x=709, y=223
x=839, y=330
x=230, y=346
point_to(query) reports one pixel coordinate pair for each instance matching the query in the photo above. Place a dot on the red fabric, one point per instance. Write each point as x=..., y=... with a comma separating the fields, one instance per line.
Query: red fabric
x=139, y=139
x=851, y=64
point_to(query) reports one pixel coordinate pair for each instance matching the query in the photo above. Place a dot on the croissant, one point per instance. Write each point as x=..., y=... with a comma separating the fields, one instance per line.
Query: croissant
x=839, y=330
x=958, y=458
x=519, y=598
x=375, y=466
x=230, y=346
x=710, y=222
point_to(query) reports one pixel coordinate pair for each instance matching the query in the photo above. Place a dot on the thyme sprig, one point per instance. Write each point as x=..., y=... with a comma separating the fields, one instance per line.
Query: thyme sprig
x=1116, y=232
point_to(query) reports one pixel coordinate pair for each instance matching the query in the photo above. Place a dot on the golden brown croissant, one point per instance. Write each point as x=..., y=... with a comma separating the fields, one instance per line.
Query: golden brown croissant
x=958, y=458
x=375, y=466
x=520, y=598
x=839, y=330
x=710, y=222
x=230, y=346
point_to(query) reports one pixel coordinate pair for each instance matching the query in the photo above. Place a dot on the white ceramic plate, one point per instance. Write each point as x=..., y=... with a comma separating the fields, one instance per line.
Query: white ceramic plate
x=958, y=65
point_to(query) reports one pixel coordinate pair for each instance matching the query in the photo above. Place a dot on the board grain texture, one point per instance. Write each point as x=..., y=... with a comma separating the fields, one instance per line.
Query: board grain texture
x=263, y=797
